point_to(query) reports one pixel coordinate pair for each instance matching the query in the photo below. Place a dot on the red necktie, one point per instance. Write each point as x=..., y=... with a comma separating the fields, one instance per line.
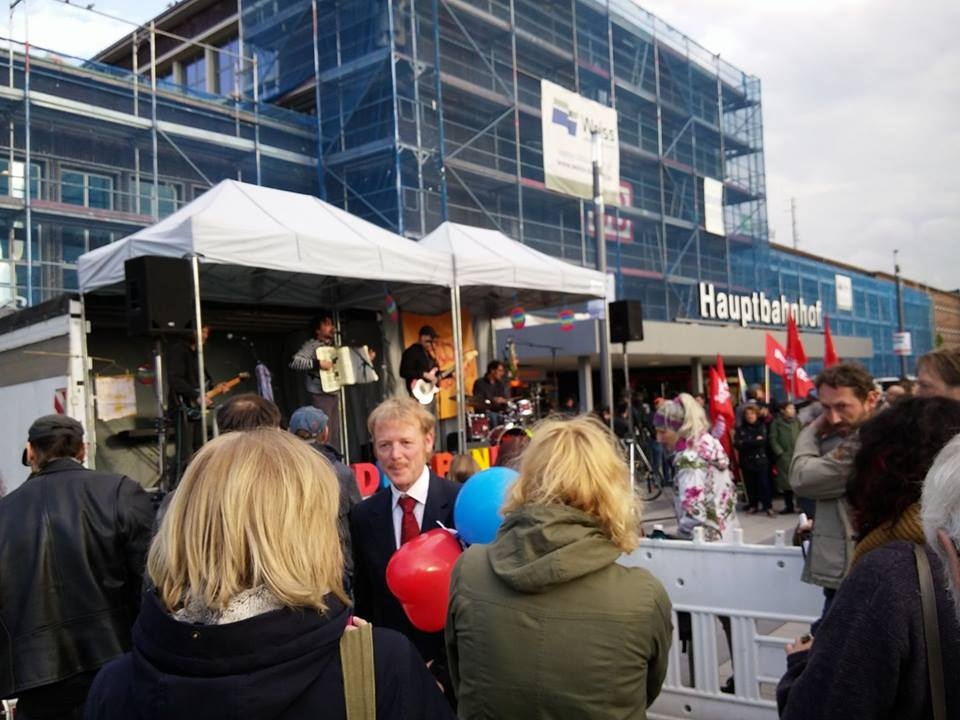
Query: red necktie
x=409, y=528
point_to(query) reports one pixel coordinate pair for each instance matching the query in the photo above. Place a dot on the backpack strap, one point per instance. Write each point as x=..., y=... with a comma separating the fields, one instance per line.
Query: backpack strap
x=359, y=685
x=931, y=632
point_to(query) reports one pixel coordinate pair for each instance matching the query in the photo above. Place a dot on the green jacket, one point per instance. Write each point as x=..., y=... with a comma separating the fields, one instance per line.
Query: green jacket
x=544, y=624
x=783, y=438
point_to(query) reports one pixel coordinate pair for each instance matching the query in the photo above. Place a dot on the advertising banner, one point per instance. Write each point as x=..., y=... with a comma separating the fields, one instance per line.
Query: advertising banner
x=568, y=122
x=713, y=206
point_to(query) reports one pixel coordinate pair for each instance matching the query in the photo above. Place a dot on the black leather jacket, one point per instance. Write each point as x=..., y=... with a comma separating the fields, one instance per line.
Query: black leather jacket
x=72, y=549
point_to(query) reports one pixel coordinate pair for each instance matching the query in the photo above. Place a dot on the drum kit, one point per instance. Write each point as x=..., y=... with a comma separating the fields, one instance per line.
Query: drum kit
x=515, y=419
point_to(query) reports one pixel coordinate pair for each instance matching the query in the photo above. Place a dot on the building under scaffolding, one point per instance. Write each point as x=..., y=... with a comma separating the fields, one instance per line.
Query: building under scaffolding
x=430, y=110
x=406, y=113
x=110, y=151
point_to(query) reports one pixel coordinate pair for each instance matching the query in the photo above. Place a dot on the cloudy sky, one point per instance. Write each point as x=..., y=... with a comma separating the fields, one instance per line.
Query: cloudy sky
x=860, y=98
x=860, y=104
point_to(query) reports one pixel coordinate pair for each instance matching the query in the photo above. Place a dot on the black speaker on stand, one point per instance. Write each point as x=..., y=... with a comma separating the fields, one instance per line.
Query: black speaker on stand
x=626, y=321
x=159, y=300
x=159, y=296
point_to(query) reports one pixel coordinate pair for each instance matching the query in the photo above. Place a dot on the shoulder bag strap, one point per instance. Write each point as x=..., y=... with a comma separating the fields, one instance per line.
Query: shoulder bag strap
x=359, y=686
x=931, y=631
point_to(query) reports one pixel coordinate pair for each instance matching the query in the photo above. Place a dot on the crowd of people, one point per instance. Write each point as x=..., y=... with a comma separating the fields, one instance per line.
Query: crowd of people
x=260, y=587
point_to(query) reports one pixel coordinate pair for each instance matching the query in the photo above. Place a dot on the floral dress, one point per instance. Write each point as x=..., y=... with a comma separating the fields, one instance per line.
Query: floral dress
x=706, y=493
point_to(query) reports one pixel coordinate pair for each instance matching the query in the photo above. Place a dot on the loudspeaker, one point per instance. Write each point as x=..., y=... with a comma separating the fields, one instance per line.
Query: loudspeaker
x=626, y=321
x=159, y=296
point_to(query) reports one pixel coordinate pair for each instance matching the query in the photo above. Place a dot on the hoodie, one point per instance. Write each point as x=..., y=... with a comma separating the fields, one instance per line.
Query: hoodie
x=544, y=623
x=280, y=664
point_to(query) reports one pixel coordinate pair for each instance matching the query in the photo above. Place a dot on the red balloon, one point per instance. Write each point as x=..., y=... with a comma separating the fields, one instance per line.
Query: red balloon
x=418, y=575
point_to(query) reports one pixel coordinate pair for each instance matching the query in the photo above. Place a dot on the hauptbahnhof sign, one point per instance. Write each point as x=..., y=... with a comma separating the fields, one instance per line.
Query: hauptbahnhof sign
x=757, y=308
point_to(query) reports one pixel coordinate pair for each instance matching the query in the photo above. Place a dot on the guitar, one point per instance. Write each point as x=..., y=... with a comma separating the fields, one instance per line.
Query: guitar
x=351, y=366
x=193, y=412
x=424, y=391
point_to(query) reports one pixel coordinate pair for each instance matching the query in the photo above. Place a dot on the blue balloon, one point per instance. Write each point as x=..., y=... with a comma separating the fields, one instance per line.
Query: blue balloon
x=476, y=512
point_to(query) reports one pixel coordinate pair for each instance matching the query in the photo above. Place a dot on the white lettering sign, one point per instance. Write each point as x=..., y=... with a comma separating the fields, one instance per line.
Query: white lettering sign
x=757, y=308
x=902, y=343
x=844, y=292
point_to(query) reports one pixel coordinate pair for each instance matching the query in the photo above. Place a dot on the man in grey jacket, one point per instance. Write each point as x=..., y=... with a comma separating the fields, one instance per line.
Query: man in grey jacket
x=822, y=462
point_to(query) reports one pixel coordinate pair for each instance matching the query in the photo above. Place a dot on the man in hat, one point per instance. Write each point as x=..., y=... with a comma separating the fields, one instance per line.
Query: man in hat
x=313, y=426
x=72, y=549
x=418, y=361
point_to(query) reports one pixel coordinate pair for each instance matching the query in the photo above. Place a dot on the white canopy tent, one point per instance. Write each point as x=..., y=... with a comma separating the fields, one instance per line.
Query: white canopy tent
x=261, y=245
x=495, y=272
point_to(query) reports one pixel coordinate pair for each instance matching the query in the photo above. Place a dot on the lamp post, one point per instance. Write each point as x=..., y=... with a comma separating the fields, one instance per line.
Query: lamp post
x=900, y=327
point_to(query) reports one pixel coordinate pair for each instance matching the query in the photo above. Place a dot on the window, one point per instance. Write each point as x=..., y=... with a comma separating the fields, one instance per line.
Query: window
x=12, y=183
x=78, y=187
x=168, y=197
x=195, y=74
x=227, y=65
x=74, y=242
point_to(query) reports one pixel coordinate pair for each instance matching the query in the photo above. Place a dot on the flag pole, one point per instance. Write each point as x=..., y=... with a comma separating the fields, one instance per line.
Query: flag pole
x=766, y=382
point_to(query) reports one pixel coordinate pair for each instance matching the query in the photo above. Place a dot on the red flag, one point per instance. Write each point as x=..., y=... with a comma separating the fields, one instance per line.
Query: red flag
x=829, y=353
x=776, y=358
x=802, y=384
x=721, y=407
x=794, y=346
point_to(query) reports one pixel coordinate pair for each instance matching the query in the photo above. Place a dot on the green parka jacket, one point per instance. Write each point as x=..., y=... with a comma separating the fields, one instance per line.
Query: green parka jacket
x=544, y=624
x=783, y=439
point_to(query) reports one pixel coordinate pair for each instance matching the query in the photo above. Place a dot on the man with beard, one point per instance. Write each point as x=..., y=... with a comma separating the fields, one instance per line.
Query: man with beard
x=821, y=466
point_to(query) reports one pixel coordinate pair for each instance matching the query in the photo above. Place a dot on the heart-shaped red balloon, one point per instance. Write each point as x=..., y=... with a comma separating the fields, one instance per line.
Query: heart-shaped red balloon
x=418, y=575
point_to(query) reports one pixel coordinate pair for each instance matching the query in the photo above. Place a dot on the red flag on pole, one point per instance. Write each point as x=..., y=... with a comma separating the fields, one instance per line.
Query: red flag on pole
x=829, y=353
x=721, y=407
x=795, y=381
x=776, y=358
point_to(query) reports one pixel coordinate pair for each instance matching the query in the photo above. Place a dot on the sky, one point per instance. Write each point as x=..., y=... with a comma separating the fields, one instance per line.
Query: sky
x=859, y=102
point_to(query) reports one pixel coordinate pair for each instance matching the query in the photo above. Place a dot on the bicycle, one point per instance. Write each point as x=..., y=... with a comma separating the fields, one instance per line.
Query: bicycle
x=644, y=479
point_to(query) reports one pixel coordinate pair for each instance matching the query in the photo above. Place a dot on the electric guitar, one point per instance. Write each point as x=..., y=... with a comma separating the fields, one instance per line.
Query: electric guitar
x=424, y=390
x=193, y=412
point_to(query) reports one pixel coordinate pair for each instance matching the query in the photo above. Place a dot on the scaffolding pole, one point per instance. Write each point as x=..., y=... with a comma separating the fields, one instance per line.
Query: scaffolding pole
x=321, y=183
x=441, y=162
x=155, y=190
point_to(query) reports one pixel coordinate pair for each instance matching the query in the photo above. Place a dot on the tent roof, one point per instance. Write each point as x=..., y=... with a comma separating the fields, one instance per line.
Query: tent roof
x=493, y=269
x=258, y=244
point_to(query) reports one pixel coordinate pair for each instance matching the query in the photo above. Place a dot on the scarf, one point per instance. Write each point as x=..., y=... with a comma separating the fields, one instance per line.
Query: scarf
x=246, y=604
x=908, y=527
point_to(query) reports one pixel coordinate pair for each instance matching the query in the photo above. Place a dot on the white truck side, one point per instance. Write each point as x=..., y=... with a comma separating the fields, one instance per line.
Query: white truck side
x=41, y=372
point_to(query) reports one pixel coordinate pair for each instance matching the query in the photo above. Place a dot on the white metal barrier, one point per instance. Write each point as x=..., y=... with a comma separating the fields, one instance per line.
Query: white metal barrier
x=754, y=586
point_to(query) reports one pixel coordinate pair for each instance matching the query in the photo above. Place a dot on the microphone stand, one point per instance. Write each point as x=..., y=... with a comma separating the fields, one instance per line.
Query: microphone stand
x=554, y=349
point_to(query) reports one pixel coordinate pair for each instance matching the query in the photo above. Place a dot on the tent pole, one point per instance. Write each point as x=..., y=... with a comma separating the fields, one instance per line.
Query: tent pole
x=201, y=369
x=458, y=359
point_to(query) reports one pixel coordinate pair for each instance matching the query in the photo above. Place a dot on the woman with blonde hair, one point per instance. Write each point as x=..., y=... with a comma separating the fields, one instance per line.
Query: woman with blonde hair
x=705, y=491
x=248, y=609
x=543, y=622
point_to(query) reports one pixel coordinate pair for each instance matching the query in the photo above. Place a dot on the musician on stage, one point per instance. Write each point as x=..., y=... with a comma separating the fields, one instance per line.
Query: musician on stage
x=305, y=360
x=418, y=361
x=185, y=394
x=490, y=392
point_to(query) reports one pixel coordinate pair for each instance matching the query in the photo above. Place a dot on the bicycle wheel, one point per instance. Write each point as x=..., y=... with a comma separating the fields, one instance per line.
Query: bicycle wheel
x=649, y=485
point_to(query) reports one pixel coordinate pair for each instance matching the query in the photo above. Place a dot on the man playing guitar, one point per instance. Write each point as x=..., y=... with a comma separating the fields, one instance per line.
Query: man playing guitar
x=418, y=361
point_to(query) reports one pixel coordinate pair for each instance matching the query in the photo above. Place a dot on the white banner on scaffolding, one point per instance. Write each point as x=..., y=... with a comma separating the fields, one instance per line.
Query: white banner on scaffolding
x=568, y=123
x=713, y=206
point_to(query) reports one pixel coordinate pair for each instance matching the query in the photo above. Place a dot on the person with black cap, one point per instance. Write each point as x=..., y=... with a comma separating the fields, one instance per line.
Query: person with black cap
x=72, y=549
x=418, y=361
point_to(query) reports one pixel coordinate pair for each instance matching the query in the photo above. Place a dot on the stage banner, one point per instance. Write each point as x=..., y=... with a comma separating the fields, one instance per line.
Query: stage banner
x=568, y=121
x=116, y=396
x=443, y=351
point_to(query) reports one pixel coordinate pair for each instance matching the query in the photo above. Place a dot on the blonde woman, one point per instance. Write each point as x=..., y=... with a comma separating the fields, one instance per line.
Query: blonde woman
x=543, y=622
x=705, y=491
x=249, y=606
